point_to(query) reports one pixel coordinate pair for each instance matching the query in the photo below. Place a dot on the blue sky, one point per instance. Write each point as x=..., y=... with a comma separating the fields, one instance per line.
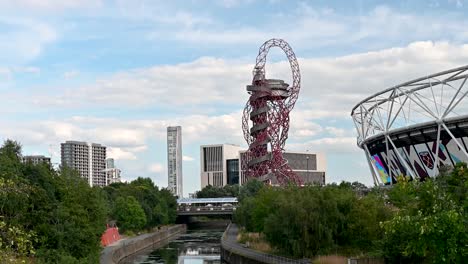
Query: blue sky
x=120, y=72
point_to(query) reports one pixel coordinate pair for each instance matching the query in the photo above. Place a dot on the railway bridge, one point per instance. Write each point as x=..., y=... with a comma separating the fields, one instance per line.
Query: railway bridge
x=206, y=206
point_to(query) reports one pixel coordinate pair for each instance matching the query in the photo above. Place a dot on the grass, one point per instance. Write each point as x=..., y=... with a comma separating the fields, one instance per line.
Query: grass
x=255, y=241
x=332, y=259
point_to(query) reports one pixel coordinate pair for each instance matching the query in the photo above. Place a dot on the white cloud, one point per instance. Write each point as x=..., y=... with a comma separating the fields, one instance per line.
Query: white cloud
x=156, y=168
x=202, y=81
x=339, y=132
x=229, y=3
x=330, y=28
x=125, y=139
x=70, y=74
x=48, y=5
x=330, y=86
x=28, y=69
x=187, y=158
x=161, y=13
x=5, y=72
x=327, y=145
x=25, y=40
x=458, y=3
x=120, y=154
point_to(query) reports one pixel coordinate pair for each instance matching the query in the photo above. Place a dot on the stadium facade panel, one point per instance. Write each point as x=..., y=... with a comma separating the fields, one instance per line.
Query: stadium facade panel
x=416, y=127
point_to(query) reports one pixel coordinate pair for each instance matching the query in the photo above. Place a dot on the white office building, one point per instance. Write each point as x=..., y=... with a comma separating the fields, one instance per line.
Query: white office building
x=174, y=160
x=219, y=164
x=310, y=167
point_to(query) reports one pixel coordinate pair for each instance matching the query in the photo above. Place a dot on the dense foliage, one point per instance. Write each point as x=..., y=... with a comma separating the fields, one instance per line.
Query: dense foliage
x=304, y=222
x=210, y=191
x=56, y=217
x=140, y=204
x=431, y=222
x=53, y=215
x=411, y=222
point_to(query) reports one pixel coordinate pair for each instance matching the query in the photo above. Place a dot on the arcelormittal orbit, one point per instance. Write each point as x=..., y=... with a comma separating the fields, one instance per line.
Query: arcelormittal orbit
x=268, y=109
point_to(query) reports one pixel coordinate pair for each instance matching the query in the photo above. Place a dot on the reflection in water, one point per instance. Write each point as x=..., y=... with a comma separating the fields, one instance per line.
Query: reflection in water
x=196, y=246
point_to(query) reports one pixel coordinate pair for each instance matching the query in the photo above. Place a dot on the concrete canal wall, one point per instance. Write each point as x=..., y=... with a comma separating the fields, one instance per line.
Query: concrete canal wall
x=127, y=247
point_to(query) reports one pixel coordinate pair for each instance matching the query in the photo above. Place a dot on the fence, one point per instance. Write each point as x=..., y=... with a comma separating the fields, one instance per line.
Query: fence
x=365, y=261
x=231, y=250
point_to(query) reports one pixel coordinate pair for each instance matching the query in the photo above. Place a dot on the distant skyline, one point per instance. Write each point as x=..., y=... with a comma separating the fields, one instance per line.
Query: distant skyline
x=119, y=72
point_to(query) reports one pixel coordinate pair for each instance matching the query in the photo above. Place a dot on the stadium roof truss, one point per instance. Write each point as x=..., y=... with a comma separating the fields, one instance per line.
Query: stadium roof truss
x=434, y=99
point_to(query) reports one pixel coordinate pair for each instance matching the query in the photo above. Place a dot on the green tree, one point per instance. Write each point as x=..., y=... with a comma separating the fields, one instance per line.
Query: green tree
x=210, y=191
x=56, y=214
x=160, y=206
x=171, y=205
x=161, y=213
x=129, y=214
x=310, y=220
x=250, y=189
x=10, y=160
x=431, y=226
x=15, y=239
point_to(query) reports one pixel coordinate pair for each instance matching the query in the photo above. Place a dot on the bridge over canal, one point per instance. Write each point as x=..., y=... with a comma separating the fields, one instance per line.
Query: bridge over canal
x=206, y=206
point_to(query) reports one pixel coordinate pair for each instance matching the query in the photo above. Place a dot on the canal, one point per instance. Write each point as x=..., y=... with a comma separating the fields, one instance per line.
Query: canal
x=197, y=246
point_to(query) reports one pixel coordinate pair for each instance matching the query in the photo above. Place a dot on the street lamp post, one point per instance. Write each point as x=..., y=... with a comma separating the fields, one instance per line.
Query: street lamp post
x=307, y=157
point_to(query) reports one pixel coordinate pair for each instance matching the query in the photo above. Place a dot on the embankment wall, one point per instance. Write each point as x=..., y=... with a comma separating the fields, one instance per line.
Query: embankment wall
x=127, y=247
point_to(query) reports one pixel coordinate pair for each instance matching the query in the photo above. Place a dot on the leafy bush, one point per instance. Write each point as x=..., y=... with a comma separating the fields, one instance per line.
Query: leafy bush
x=410, y=222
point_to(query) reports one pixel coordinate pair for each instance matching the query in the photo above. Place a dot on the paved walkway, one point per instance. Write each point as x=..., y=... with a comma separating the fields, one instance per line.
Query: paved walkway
x=229, y=242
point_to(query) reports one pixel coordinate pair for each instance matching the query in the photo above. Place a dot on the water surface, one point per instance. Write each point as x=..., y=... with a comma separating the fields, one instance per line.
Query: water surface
x=193, y=247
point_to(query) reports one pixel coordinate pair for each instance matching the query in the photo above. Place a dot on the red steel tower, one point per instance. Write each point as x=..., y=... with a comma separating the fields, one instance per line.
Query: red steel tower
x=267, y=110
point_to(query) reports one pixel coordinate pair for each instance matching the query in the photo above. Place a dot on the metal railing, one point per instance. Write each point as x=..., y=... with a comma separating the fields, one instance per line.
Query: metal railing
x=228, y=243
x=206, y=209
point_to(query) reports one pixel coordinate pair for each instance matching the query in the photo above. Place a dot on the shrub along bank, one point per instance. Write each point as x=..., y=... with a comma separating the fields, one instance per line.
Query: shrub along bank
x=413, y=222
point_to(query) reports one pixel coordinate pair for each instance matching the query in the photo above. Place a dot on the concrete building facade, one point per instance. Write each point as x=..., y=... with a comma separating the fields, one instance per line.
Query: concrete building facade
x=310, y=167
x=174, y=160
x=219, y=164
x=112, y=173
x=36, y=159
x=87, y=158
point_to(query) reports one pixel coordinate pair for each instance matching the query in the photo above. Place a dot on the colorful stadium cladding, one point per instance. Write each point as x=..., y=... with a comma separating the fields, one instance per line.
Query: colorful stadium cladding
x=416, y=127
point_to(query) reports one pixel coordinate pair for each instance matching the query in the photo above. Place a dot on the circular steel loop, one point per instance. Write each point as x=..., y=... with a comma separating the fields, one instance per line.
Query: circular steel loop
x=268, y=109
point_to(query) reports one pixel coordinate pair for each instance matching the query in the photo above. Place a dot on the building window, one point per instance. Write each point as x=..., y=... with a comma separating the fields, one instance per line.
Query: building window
x=232, y=169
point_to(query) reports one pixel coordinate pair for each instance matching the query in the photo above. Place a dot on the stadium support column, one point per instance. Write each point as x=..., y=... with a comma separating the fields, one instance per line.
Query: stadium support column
x=400, y=157
x=437, y=147
x=455, y=139
x=371, y=166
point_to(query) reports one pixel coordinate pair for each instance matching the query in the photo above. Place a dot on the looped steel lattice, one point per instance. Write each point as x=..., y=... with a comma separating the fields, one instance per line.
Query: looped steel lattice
x=268, y=109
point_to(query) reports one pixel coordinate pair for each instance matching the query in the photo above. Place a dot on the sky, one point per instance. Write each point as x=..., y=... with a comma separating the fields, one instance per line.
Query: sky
x=119, y=72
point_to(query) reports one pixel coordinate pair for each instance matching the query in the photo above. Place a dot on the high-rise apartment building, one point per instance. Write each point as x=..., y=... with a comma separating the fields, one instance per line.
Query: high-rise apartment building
x=36, y=159
x=174, y=160
x=219, y=164
x=112, y=173
x=88, y=159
